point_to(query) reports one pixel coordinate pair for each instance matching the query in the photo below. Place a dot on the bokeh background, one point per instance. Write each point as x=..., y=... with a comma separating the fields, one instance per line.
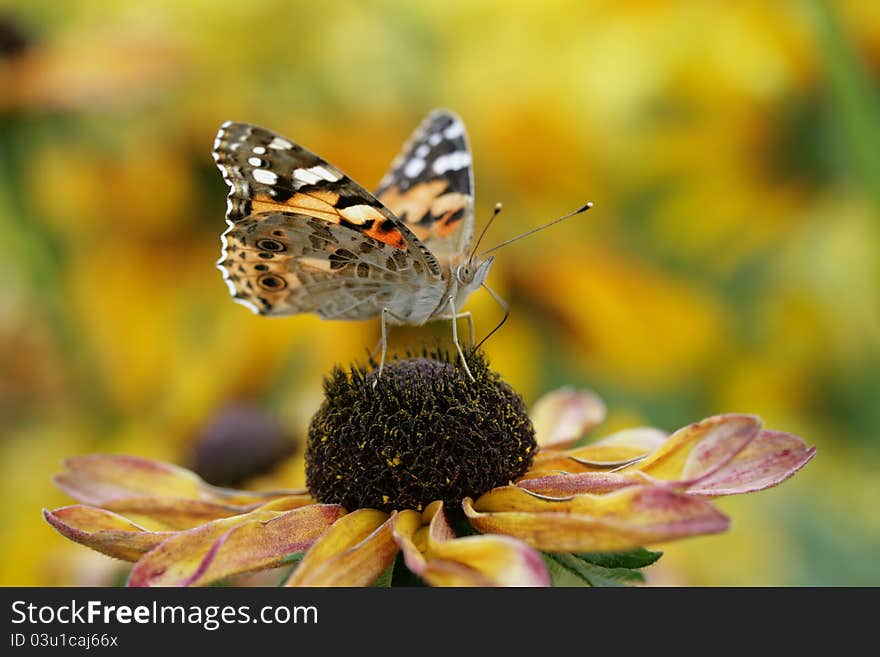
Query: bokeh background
x=731, y=261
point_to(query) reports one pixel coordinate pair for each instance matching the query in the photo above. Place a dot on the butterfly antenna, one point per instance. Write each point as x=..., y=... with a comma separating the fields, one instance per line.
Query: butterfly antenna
x=483, y=233
x=501, y=303
x=535, y=230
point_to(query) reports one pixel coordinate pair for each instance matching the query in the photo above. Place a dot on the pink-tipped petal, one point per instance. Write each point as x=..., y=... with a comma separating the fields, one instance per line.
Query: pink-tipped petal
x=254, y=541
x=169, y=513
x=771, y=458
x=98, y=479
x=353, y=552
x=625, y=519
x=104, y=531
x=564, y=416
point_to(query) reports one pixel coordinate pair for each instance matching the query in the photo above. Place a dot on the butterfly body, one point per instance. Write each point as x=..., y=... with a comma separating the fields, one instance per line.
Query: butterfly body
x=303, y=237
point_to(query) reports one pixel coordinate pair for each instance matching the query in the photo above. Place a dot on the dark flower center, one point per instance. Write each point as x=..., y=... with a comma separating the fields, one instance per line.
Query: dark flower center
x=425, y=432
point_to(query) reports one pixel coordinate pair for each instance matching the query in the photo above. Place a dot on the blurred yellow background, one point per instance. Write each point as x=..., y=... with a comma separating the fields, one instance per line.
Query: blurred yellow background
x=731, y=262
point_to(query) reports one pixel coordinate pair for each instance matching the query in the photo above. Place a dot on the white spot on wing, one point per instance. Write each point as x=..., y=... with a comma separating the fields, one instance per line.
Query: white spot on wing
x=265, y=177
x=414, y=167
x=422, y=150
x=359, y=214
x=255, y=161
x=325, y=173
x=454, y=131
x=259, y=150
x=306, y=176
x=451, y=162
x=435, y=139
x=280, y=144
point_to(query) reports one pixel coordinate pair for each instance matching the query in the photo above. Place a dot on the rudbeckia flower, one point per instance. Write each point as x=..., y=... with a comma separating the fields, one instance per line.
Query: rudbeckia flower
x=431, y=477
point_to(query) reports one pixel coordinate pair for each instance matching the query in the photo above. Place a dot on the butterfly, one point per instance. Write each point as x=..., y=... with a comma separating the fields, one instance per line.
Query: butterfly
x=303, y=237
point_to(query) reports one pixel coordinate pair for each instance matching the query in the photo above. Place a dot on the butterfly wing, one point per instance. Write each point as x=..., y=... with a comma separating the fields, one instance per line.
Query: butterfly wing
x=430, y=186
x=282, y=263
x=304, y=237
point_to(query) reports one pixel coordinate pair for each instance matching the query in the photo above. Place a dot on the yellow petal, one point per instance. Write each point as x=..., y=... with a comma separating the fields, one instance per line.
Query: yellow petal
x=404, y=526
x=620, y=448
x=253, y=541
x=549, y=461
x=353, y=552
x=625, y=519
x=564, y=416
x=700, y=448
x=485, y=561
x=104, y=531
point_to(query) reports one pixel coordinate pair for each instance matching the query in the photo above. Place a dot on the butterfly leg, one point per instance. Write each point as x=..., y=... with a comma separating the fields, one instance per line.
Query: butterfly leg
x=383, y=341
x=470, y=319
x=455, y=317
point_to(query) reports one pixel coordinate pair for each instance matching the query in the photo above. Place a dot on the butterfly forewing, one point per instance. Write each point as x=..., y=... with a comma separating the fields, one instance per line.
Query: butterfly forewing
x=304, y=237
x=430, y=186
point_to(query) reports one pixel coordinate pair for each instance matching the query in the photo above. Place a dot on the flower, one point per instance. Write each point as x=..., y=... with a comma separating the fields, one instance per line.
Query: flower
x=444, y=473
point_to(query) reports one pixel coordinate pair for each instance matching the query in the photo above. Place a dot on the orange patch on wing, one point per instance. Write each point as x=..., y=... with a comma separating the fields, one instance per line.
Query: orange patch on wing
x=449, y=210
x=414, y=202
x=392, y=236
x=318, y=205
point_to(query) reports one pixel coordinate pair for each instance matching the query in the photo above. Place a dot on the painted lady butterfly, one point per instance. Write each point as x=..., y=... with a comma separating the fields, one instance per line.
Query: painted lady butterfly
x=305, y=238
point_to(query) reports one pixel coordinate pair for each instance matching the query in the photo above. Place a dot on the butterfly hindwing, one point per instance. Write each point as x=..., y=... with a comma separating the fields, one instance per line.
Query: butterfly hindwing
x=282, y=263
x=430, y=185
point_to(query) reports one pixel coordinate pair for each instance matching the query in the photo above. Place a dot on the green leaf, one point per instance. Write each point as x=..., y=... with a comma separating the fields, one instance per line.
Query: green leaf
x=562, y=576
x=638, y=558
x=589, y=573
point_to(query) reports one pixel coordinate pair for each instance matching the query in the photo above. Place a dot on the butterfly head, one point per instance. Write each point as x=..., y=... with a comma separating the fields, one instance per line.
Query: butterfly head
x=471, y=274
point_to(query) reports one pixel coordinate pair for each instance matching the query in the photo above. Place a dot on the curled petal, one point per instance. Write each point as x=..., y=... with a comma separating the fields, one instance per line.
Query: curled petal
x=104, y=531
x=548, y=461
x=625, y=519
x=700, y=449
x=98, y=479
x=771, y=458
x=253, y=541
x=406, y=529
x=353, y=552
x=440, y=559
x=597, y=483
x=621, y=448
x=564, y=416
x=439, y=529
